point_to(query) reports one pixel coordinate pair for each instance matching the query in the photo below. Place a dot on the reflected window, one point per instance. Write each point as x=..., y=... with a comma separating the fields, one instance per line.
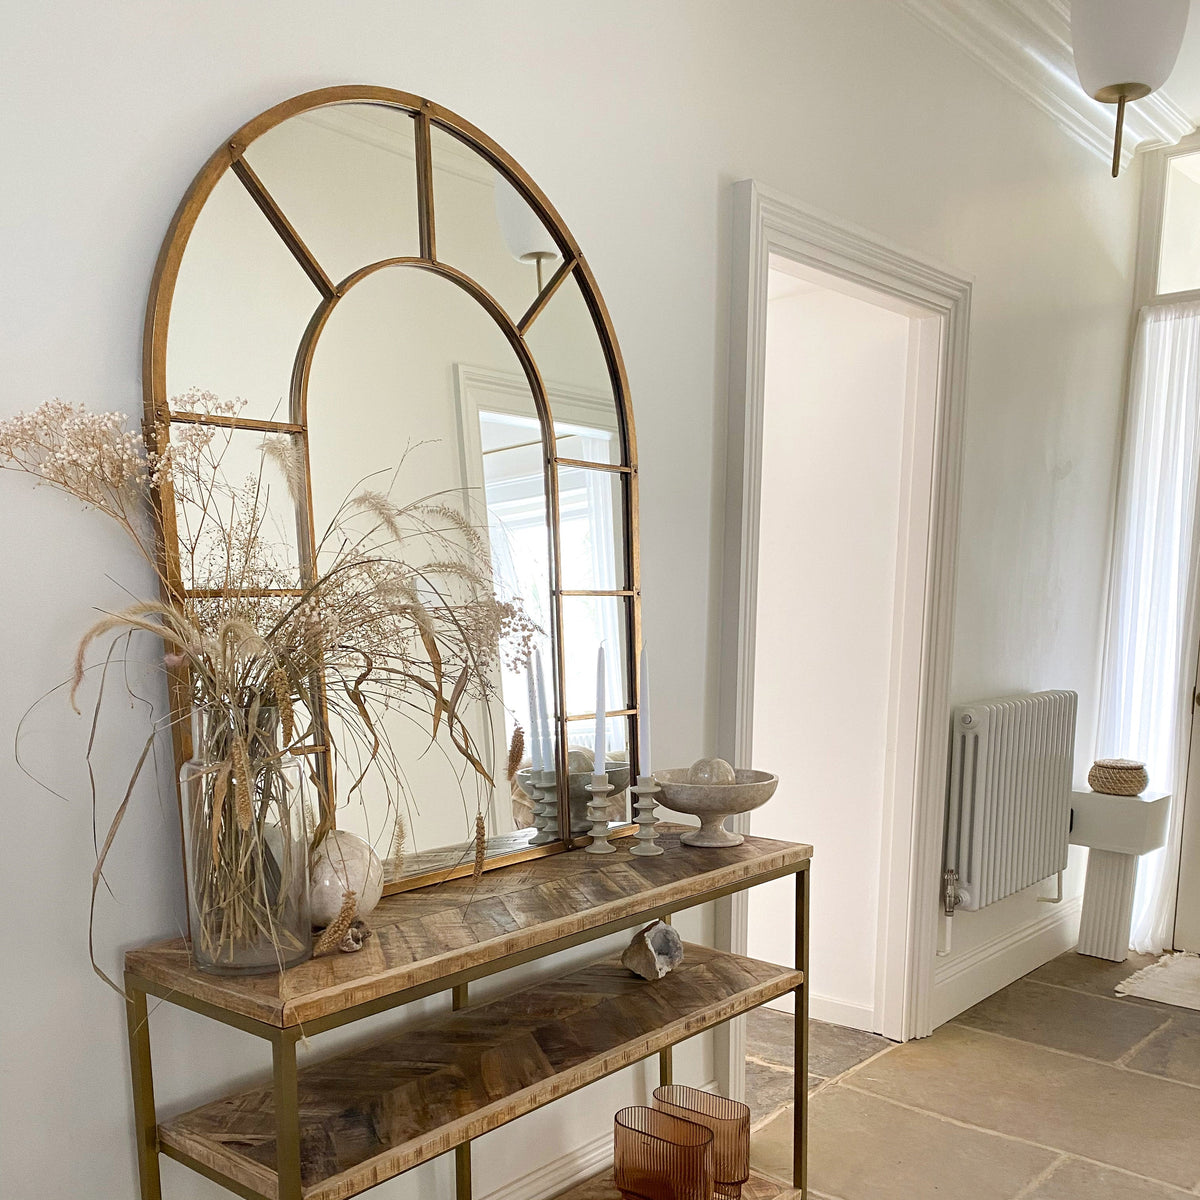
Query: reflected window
x=1179, y=251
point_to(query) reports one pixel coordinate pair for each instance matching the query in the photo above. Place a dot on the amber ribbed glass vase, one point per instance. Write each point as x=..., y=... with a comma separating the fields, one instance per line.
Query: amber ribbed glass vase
x=658, y=1156
x=730, y=1124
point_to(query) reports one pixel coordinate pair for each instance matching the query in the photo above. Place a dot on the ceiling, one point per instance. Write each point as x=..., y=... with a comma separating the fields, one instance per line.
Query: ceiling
x=1027, y=43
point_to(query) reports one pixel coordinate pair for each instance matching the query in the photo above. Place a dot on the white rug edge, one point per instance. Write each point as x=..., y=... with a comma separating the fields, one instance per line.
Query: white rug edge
x=1156, y=982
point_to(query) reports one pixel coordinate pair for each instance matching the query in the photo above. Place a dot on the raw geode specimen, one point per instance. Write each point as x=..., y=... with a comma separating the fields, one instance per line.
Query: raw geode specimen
x=654, y=952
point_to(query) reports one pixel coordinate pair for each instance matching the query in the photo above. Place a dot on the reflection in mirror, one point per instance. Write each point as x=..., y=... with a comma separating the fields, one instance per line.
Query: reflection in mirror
x=565, y=343
x=591, y=506
x=588, y=623
x=485, y=229
x=581, y=741
x=240, y=307
x=235, y=506
x=392, y=354
x=345, y=177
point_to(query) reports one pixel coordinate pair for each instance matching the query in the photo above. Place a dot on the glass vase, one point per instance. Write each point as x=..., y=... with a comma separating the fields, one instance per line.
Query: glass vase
x=245, y=844
x=729, y=1121
x=657, y=1156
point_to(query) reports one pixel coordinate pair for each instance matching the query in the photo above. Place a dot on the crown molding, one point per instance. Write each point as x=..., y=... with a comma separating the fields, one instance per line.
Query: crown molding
x=1027, y=44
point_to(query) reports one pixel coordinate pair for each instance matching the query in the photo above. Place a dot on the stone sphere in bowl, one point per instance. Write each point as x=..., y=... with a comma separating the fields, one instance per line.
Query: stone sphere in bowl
x=711, y=770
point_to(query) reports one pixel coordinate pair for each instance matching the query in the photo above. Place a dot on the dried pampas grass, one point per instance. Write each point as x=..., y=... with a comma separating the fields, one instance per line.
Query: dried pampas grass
x=335, y=932
x=516, y=752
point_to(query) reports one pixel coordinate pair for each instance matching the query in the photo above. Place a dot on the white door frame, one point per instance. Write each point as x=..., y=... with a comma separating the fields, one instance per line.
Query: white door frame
x=767, y=223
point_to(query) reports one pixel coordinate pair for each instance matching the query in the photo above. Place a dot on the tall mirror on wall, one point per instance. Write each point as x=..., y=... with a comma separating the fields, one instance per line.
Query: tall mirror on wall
x=369, y=318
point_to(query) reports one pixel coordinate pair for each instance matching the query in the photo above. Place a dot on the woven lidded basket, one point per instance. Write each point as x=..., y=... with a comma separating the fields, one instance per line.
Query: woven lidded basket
x=1118, y=777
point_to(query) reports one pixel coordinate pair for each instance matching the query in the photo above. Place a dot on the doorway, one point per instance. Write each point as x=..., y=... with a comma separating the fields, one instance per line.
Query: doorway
x=847, y=384
x=834, y=713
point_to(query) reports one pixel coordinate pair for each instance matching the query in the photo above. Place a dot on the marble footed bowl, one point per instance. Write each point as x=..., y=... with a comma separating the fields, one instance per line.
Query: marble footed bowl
x=713, y=802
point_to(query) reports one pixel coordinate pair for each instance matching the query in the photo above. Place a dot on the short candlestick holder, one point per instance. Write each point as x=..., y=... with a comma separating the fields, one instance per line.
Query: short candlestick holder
x=597, y=812
x=546, y=809
x=647, y=822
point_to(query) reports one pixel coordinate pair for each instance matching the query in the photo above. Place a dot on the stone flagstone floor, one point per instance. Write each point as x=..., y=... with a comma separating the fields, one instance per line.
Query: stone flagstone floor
x=1053, y=1089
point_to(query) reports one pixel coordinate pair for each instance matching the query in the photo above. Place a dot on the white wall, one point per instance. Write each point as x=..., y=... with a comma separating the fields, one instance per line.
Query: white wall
x=635, y=118
x=835, y=393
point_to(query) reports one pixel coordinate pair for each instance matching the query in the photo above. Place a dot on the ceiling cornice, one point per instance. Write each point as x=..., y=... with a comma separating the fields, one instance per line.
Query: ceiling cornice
x=1027, y=43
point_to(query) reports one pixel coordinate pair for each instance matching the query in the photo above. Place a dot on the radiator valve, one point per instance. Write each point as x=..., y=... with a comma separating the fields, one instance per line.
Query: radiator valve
x=952, y=895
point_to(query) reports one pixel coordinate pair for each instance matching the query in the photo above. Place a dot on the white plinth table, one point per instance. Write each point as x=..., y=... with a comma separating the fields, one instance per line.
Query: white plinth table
x=1117, y=830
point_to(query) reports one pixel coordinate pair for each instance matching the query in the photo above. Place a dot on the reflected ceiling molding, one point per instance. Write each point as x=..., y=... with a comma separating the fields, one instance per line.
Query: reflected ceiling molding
x=362, y=123
x=1027, y=44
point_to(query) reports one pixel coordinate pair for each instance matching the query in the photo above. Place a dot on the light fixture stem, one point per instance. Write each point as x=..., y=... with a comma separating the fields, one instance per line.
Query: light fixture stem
x=538, y=261
x=1117, y=141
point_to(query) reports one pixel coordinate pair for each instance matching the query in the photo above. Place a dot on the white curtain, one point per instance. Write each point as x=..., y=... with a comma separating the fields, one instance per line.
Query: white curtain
x=1150, y=645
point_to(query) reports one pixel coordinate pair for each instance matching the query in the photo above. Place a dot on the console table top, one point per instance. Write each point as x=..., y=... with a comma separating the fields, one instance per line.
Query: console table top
x=426, y=940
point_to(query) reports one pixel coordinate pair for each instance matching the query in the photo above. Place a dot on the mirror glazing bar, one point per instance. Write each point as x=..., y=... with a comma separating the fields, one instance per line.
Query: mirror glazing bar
x=545, y=295
x=279, y=222
x=425, y=218
x=251, y=423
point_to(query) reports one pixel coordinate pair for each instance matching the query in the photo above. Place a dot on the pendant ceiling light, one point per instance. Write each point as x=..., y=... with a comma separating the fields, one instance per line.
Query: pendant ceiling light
x=1125, y=49
x=527, y=239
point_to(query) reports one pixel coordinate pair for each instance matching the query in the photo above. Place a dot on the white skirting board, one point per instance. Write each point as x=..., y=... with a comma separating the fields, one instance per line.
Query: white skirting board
x=557, y=1176
x=963, y=980
x=831, y=1011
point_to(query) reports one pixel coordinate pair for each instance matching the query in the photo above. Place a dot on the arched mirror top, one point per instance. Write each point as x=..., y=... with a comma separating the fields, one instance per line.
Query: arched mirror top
x=357, y=271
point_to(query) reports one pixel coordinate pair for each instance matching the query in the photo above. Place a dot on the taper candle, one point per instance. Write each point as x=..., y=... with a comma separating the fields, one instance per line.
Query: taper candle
x=601, y=721
x=548, y=763
x=644, y=719
x=535, y=740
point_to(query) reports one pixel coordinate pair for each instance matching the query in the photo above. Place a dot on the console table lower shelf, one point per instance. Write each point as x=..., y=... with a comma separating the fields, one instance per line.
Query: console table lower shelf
x=375, y=1111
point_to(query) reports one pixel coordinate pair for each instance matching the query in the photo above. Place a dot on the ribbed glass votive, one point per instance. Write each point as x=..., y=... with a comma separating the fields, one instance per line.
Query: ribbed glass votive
x=658, y=1156
x=730, y=1124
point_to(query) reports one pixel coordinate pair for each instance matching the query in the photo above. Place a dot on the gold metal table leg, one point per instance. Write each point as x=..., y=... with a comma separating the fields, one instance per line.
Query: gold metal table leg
x=666, y=1067
x=462, y=1154
x=287, y=1115
x=145, y=1119
x=800, y=1098
x=666, y=1061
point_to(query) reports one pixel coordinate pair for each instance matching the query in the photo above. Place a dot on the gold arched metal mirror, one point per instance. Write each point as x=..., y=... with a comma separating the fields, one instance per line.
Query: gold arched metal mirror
x=370, y=280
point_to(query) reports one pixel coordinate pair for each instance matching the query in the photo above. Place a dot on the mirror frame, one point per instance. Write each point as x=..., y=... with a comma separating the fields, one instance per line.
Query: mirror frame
x=426, y=115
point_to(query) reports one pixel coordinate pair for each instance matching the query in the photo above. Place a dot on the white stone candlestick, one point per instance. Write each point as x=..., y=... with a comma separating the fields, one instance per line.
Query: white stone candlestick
x=597, y=811
x=647, y=834
x=546, y=810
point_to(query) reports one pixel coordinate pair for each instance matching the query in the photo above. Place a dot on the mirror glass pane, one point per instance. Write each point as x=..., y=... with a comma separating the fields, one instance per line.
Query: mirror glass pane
x=588, y=623
x=445, y=426
x=239, y=310
x=235, y=506
x=345, y=176
x=570, y=356
x=485, y=228
x=591, y=507
x=581, y=740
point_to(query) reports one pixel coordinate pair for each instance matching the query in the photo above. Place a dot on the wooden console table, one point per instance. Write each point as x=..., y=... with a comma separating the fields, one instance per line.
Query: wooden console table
x=340, y=1125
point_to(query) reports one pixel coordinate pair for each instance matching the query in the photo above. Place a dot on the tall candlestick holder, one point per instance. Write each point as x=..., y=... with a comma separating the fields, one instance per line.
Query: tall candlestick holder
x=545, y=810
x=597, y=811
x=647, y=822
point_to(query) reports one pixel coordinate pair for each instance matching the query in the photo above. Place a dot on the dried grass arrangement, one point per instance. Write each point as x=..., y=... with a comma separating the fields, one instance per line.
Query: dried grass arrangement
x=399, y=613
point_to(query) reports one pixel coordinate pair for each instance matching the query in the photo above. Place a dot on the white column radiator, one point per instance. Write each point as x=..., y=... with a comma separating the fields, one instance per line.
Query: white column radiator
x=1008, y=809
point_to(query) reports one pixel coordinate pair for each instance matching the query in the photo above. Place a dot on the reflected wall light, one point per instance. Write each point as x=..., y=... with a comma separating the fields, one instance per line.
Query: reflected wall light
x=527, y=239
x=1125, y=49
